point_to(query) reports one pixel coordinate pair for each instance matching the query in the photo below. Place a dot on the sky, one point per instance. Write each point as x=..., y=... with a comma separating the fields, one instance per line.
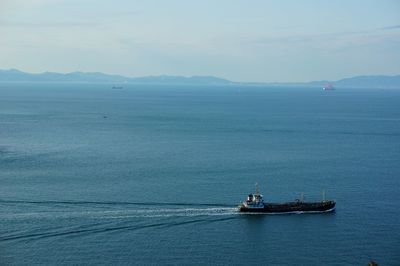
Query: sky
x=240, y=40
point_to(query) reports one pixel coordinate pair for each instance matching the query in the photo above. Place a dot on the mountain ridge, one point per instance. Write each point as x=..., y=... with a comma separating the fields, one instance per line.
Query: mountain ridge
x=364, y=81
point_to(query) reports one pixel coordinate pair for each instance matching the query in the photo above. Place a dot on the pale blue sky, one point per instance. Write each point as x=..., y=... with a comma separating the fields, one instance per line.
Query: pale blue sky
x=241, y=40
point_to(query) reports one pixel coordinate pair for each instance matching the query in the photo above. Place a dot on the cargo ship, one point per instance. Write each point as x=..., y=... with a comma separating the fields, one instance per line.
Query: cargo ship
x=255, y=204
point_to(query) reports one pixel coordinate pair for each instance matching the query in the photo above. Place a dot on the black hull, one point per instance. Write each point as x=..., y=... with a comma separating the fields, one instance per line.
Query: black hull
x=292, y=207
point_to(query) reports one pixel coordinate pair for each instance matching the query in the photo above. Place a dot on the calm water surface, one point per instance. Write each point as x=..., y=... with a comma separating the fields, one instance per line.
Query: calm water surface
x=151, y=175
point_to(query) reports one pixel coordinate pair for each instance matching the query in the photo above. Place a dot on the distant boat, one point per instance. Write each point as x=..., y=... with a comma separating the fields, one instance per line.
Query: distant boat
x=328, y=87
x=255, y=204
x=117, y=87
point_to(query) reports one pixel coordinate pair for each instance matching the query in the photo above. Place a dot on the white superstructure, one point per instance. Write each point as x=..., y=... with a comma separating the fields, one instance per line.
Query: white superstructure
x=254, y=201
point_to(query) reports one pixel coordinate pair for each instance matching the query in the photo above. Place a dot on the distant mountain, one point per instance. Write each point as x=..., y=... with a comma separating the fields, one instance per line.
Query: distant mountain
x=369, y=82
x=366, y=82
x=201, y=80
x=14, y=75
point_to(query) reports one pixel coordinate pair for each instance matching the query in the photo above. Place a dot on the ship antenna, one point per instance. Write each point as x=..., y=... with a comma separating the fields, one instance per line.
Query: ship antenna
x=323, y=195
x=257, y=189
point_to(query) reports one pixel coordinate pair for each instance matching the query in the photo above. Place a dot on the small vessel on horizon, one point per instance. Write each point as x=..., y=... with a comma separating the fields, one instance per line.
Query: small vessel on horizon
x=255, y=204
x=328, y=87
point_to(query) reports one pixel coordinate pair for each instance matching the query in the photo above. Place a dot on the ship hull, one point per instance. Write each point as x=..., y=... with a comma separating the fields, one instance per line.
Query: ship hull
x=292, y=207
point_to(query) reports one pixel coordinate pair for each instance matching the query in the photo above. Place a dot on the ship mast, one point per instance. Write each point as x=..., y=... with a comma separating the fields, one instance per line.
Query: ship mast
x=323, y=195
x=257, y=189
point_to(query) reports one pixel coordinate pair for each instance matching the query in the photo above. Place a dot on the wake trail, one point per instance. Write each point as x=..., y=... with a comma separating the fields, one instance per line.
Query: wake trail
x=86, y=218
x=105, y=229
x=67, y=202
x=128, y=213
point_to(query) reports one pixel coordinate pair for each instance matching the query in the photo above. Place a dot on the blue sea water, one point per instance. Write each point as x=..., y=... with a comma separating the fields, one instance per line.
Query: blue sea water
x=152, y=174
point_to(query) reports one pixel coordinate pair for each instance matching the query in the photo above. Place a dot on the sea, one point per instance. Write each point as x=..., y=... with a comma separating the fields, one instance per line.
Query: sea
x=153, y=174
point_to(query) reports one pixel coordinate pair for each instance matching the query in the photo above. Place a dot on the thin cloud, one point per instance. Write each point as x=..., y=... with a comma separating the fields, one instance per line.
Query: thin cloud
x=393, y=27
x=127, y=13
x=303, y=38
x=48, y=24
